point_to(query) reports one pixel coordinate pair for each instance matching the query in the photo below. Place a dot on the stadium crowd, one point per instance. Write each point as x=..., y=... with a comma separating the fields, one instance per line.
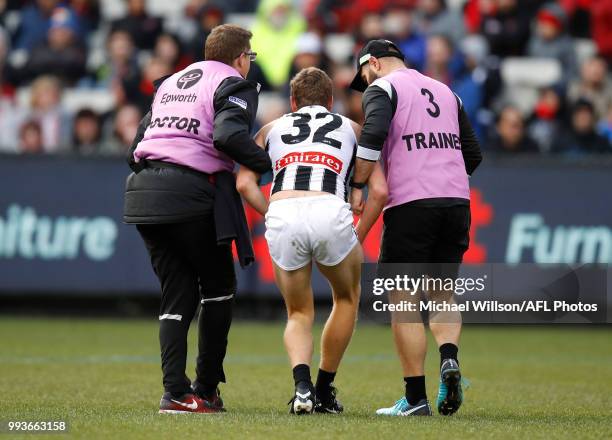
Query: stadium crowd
x=534, y=75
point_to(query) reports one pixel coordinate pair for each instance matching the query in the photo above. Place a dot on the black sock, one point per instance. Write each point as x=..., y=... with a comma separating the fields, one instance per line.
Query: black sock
x=448, y=351
x=209, y=389
x=324, y=380
x=415, y=389
x=301, y=373
x=205, y=389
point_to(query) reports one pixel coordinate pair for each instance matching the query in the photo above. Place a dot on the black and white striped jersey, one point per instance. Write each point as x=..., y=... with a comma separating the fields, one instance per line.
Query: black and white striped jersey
x=312, y=150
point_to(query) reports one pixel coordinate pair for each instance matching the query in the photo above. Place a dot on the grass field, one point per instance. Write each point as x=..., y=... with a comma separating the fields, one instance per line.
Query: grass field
x=103, y=377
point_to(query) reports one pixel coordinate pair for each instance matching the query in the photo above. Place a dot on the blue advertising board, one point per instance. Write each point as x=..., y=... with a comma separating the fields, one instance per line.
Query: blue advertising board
x=61, y=227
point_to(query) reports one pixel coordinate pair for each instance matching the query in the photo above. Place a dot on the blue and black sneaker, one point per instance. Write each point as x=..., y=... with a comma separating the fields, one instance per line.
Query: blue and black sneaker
x=403, y=408
x=450, y=394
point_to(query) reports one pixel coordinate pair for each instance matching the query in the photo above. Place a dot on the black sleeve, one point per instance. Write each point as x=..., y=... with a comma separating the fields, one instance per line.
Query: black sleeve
x=142, y=127
x=235, y=104
x=379, y=106
x=470, y=148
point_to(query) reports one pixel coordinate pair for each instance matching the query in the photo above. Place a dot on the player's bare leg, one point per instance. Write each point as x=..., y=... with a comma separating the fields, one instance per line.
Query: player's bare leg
x=445, y=325
x=344, y=279
x=446, y=328
x=411, y=345
x=297, y=293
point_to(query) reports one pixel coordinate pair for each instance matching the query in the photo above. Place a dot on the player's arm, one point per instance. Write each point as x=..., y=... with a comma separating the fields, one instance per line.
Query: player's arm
x=247, y=181
x=377, y=198
x=379, y=104
x=470, y=148
x=235, y=104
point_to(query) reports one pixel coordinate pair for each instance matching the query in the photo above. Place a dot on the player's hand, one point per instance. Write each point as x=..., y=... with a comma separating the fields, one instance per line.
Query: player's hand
x=357, y=202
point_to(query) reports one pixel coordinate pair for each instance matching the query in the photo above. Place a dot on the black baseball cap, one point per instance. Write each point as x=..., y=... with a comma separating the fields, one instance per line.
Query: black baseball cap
x=373, y=48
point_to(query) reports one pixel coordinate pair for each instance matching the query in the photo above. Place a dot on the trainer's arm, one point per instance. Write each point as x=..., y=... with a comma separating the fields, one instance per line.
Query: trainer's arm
x=377, y=198
x=470, y=148
x=247, y=181
x=379, y=103
x=235, y=104
x=142, y=128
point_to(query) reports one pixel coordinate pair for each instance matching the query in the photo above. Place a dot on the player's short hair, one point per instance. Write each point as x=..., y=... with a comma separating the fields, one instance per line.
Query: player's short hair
x=226, y=42
x=311, y=86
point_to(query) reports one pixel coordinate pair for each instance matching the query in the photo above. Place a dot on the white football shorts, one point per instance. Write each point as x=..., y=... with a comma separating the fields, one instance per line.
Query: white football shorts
x=301, y=229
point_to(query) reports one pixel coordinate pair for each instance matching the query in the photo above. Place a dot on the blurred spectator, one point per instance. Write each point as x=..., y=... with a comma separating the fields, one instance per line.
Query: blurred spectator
x=370, y=28
x=125, y=126
x=88, y=12
x=582, y=137
x=462, y=76
x=594, y=84
x=579, y=13
x=142, y=27
x=309, y=53
x=61, y=55
x=551, y=40
x=354, y=106
x=547, y=118
x=472, y=83
x=274, y=105
x=439, y=55
x=239, y=6
x=343, y=15
x=399, y=25
x=30, y=138
x=168, y=49
x=435, y=17
x=34, y=24
x=9, y=116
x=45, y=107
x=510, y=135
x=601, y=24
x=120, y=73
x=505, y=26
x=275, y=32
x=346, y=101
x=206, y=19
x=154, y=69
x=7, y=90
x=86, y=132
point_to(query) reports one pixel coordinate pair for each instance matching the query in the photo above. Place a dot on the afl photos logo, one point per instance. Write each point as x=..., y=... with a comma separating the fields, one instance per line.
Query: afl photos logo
x=189, y=79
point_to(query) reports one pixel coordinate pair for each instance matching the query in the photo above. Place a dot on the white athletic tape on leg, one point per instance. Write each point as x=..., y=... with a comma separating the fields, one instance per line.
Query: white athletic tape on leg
x=219, y=298
x=168, y=316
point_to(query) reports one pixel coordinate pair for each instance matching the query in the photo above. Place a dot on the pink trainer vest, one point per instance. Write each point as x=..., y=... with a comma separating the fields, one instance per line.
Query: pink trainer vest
x=422, y=156
x=181, y=128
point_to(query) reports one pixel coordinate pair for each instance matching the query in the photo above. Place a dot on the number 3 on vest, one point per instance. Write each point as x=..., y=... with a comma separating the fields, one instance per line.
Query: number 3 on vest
x=436, y=109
